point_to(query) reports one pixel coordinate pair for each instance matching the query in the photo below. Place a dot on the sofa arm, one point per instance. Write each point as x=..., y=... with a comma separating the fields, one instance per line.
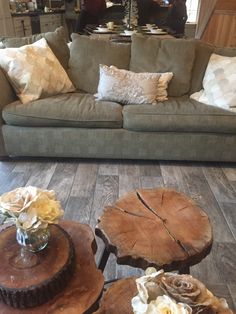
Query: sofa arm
x=7, y=95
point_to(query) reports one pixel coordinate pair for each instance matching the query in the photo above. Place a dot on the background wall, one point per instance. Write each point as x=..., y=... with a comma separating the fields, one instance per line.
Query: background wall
x=221, y=28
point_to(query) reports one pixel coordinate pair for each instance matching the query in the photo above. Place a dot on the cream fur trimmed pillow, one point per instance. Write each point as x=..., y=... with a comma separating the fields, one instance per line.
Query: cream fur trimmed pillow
x=34, y=71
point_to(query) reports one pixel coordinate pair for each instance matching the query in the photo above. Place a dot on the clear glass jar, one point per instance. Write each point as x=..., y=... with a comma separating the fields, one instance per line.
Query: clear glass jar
x=33, y=241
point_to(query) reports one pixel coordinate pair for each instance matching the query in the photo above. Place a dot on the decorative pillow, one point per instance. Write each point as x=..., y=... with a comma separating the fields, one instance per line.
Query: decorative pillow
x=34, y=71
x=127, y=87
x=219, y=83
x=163, y=85
x=56, y=40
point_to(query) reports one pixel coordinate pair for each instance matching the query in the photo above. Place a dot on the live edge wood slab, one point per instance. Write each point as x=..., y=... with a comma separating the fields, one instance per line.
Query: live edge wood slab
x=117, y=299
x=25, y=285
x=86, y=284
x=158, y=227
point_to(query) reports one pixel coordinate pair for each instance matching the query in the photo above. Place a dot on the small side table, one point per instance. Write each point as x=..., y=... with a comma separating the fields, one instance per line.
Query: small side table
x=158, y=227
x=84, y=289
x=117, y=299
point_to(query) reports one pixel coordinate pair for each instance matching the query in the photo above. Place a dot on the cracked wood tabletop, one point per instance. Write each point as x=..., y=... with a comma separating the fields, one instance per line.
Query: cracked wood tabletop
x=156, y=227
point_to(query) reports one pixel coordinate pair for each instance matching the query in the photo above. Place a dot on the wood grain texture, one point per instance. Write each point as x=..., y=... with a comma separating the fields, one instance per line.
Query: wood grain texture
x=173, y=177
x=85, y=286
x=229, y=212
x=200, y=191
x=41, y=175
x=217, y=180
x=106, y=193
x=221, y=28
x=85, y=180
x=27, y=287
x=158, y=227
x=128, y=183
x=62, y=181
x=230, y=173
x=117, y=299
x=186, y=177
x=232, y=289
x=228, y=5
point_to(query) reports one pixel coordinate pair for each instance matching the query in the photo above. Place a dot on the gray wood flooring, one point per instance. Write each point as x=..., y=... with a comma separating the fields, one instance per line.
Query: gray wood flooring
x=85, y=187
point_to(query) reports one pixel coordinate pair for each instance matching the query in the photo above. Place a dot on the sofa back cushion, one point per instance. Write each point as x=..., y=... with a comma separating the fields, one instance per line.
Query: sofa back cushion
x=203, y=52
x=151, y=54
x=86, y=54
x=56, y=41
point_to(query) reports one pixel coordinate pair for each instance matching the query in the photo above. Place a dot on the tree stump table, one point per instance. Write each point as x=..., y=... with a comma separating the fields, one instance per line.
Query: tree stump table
x=159, y=227
x=117, y=299
x=82, y=291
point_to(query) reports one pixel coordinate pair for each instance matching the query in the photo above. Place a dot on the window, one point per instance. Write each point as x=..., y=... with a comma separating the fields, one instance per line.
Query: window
x=192, y=10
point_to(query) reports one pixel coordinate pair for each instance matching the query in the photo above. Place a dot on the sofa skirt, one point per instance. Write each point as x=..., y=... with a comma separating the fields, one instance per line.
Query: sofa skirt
x=118, y=144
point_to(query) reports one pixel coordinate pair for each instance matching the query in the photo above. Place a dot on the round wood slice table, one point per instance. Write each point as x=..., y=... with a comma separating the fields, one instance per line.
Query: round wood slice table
x=158, y=227
x=117, y=299
x=27, y=279
x=83, y=289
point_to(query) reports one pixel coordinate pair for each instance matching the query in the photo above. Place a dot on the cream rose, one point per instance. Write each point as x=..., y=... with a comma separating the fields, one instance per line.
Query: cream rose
x=162, y=305
x=30, y=207
x=188, y=290
x=160, y=292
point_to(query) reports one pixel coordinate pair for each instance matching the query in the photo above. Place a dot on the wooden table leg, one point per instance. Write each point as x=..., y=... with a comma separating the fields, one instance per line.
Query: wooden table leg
x=104, y=259
x=184, y=270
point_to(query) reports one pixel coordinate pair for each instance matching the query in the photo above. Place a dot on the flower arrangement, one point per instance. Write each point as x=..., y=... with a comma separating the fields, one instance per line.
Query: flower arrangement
x=30, y=208
x=162, y=293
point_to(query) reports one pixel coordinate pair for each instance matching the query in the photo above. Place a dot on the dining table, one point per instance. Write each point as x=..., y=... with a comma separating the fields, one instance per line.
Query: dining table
x=117, y=34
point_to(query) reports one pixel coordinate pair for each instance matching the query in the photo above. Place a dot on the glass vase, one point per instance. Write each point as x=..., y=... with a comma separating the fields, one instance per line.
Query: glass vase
x=30, y=243
x=33, y=241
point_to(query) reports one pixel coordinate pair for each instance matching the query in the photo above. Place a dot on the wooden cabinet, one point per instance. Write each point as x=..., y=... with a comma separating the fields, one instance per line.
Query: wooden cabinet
x=6, y=26
x=22, y=26
x=48, y=23
x=221, y=28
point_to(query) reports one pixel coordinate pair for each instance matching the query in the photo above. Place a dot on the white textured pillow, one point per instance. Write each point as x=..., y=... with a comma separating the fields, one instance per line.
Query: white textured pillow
x=219, y=83
x=127, y=87
x=34, y=71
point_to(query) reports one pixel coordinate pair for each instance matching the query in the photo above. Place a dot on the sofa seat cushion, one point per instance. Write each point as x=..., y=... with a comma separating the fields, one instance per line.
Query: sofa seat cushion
x=67, y=110
x=179, y=114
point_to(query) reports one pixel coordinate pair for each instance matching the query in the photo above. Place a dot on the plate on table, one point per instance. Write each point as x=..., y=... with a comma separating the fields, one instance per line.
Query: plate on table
x=156, y=33
x=125, y=35
x=98, y=31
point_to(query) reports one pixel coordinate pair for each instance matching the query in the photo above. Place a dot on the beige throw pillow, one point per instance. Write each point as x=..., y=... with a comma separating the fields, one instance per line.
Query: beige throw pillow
x=127, y=87
x=34, y=71
x=219, y=83
x=163, y=82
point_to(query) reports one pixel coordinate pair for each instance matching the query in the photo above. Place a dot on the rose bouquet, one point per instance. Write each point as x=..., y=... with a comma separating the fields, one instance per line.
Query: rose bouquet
x=30, y=208
x=160, y=292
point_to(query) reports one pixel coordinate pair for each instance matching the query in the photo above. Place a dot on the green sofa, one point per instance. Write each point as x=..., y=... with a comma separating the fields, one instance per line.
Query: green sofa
x=76, y=125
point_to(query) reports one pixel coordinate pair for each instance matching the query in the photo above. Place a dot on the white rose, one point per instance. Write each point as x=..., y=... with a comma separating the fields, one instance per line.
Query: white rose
x=162, y=305
x=166, y=305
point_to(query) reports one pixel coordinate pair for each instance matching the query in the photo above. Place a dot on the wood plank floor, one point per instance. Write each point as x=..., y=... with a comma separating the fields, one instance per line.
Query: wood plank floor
x=85, y=187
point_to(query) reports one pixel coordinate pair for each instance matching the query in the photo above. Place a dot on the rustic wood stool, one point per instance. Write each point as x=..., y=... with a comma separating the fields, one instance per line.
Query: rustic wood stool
x=160, y=228
x=83, y=289
x=117, y=299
